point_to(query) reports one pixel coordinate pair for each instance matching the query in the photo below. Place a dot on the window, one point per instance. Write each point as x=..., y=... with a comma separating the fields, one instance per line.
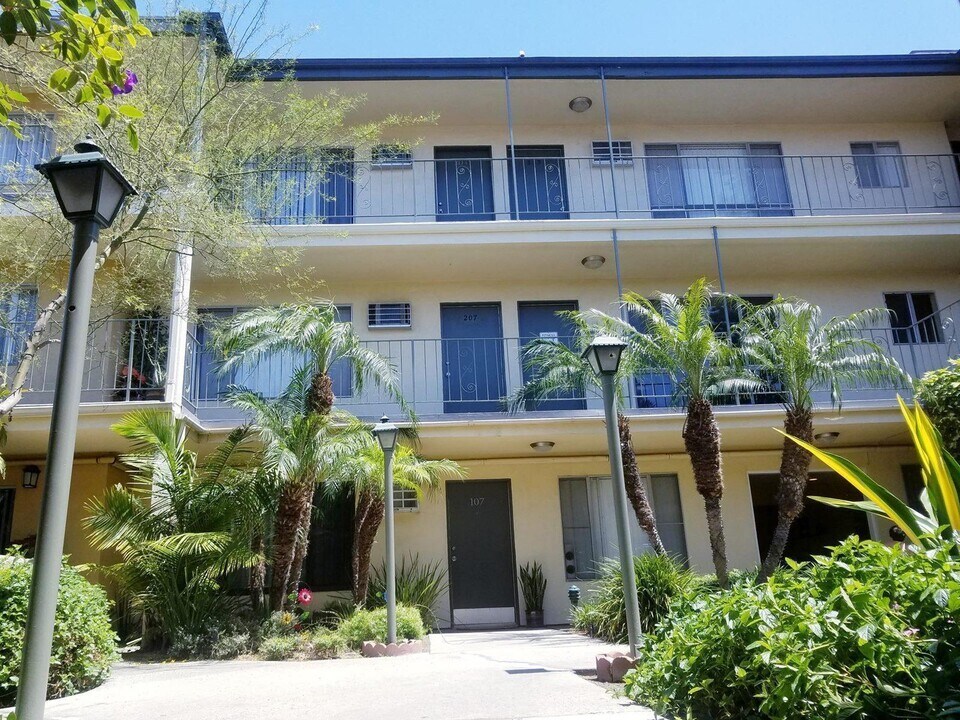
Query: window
x=914, y=318
x=7, y=496
x=405, y=500
x=19, y=155
x=729, y=180
x=589, y=525
x=18, y=312
x=300, y=189
x=391, y=156
x=878, y=164
x=268, y=376
x=388, y=315
x=622, y=152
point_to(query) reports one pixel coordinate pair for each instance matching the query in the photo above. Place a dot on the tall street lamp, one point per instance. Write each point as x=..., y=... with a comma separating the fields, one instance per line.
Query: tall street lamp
x=90, y=191
x=603, y=355
x=386, y=434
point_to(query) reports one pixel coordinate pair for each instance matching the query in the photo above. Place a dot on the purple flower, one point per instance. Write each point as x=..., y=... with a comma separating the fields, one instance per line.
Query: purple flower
x=115, y=90
x=128, y=83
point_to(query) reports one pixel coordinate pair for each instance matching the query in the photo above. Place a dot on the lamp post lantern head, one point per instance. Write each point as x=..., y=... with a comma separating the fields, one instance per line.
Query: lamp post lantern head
x=87, y=185
x=604, y=353
x=386, y=434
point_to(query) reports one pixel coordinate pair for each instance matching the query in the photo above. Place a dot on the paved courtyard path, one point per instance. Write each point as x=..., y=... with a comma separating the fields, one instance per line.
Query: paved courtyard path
x=466, y=676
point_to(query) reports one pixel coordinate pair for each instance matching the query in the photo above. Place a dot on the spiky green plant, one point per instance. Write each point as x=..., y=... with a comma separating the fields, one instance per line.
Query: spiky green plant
x=533, y=585
x=420, y=584
x=180, y=525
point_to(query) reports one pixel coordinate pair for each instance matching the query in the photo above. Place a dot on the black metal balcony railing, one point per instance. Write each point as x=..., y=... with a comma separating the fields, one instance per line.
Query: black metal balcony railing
x=444, y=377
x=125, y=360
x=652, y=186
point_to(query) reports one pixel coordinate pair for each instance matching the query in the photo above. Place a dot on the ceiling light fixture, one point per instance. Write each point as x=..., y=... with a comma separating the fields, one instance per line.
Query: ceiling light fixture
x=542, y=445
x=580, y=104
x=593, y=262
x=827, y=436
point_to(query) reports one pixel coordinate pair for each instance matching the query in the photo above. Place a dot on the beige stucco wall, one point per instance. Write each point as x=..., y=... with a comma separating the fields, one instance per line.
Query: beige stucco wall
x=537, y=522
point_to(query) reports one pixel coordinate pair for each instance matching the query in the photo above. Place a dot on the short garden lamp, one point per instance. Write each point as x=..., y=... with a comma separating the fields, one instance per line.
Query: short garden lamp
x=386, y=434
x=90, y=191
x=87, y=185
x=604, y=354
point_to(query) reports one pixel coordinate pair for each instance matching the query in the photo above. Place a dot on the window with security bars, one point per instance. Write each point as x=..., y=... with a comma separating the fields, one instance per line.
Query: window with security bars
x=914, y=318
x=405, y=500
x=588, y=518
x=878, y=164
x=18, y=312
x=391, y=156
x=389, y=315
x=622, y=152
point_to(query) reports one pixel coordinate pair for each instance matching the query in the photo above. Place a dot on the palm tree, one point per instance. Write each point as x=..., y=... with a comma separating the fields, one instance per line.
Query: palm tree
x=300, y=449
x=556, y=368
x=364, y=472
x=179, y=525
x=313, y=333
x=788, y=344
x=679, y=340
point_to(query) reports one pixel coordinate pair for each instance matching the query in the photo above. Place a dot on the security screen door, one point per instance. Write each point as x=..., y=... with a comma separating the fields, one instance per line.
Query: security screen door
x=473, y=362
x=464, y=183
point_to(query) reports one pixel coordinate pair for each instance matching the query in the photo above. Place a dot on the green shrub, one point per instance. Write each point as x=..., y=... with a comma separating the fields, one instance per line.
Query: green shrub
x=372, y=625
x=334, y=612
x=660, y=581
x=419, y=585
x=868, y=632
x=218, y=643
x=279, y=647
x=938, y=392
x=326, y=643
x=84, y=643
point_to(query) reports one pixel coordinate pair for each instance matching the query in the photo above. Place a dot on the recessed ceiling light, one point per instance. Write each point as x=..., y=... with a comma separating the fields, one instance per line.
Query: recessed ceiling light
x=580, y=104
x=593, y=262
x=542, y=445
x=827, y=436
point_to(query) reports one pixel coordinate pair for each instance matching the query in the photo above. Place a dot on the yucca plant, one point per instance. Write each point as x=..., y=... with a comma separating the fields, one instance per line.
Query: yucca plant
x=420, y=584
x=941, y=477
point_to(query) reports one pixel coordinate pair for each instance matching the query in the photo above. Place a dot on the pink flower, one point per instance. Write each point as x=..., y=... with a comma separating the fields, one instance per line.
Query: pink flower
x=304, y=596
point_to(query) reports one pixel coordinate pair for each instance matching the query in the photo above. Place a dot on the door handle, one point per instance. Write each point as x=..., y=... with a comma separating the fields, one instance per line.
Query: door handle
x=453, y=558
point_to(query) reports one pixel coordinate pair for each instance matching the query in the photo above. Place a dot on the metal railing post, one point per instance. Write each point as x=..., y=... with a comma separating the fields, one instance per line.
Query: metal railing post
x=132, y=340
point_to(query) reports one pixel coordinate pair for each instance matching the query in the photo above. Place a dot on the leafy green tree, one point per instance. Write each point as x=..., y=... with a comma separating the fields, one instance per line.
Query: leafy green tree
x=80, y=44
x=364, y=472
x=301, y=449
x=555, y=368
x=938, y=391
x=679, y=339
x=180, y=525
x=796, y=352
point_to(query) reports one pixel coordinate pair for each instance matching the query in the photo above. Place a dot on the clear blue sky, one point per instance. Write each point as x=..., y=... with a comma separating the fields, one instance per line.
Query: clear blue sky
x=439, y=28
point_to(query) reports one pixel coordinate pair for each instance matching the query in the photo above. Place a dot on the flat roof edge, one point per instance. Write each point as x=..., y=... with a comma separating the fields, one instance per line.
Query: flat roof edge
x=634, y=68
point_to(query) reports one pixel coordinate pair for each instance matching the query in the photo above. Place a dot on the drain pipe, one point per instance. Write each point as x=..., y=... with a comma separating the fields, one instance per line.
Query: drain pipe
x=723, y=283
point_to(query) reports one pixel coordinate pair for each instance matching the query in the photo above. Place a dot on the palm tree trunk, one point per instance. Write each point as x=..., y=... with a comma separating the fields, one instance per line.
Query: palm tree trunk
x=286, y=532
x=635, y=487
x=321, y=398
x=258, y=574
x=794, y=470
x=303, y=542
x=701, y=437
x=366, y=523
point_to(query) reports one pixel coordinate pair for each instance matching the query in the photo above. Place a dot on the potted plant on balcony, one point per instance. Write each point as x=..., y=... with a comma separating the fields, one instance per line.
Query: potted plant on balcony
x=533, y=585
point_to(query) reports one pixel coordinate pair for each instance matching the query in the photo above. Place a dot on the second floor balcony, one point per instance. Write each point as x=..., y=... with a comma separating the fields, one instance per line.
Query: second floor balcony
x=471, y=378
x=542, y=183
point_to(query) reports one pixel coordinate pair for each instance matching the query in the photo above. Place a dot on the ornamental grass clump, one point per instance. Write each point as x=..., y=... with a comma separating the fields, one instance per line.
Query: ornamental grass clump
x=867, y=632
x=366, y=625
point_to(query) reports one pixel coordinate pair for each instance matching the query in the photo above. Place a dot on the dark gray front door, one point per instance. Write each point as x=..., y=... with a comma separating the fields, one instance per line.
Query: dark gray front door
x=473, y=362
x=539, y=320
x=480, y=542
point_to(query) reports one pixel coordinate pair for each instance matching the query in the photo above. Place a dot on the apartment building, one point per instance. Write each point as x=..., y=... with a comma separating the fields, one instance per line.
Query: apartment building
x=551, y=184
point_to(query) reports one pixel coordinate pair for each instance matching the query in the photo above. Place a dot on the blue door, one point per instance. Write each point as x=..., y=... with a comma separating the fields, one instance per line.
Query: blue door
x=540, y=320
x=473, y=363
x=464, y=183
x=540, y=185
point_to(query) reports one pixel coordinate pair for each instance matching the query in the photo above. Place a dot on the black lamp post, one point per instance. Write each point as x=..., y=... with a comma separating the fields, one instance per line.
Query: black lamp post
x=90, y=191
x=603, y=355
x=386, y=434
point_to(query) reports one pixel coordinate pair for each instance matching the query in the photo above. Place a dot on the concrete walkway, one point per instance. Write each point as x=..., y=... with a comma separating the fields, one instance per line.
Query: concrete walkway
x=466, y=676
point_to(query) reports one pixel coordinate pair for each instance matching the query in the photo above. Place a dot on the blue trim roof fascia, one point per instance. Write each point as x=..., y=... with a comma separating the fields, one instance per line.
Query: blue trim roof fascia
x=655, y=68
